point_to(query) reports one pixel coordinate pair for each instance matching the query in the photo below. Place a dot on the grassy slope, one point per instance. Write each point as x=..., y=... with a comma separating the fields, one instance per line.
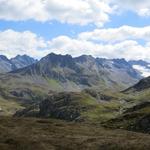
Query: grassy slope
x=40, y=87
x=96, y=111
x=131, y=119
x=41, y=134
x=81, y=106
x=9, y=107
x=10, y=103
x=40, y=92
x=100, y=111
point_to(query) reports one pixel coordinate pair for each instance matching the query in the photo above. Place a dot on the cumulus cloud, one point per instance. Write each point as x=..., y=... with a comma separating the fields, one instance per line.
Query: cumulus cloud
x=117, y=34
x=75, y=11
x=80, y=12
x=141, y=7
x=128, y=49
x=13, y=43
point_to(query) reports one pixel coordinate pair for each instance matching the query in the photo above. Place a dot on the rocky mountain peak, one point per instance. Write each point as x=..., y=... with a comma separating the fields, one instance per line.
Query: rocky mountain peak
x=4, y=58
x=85, y=58
x=21, y=61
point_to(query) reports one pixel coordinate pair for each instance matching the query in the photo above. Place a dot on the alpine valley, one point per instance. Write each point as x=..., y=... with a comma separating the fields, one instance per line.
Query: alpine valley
x=65, y=102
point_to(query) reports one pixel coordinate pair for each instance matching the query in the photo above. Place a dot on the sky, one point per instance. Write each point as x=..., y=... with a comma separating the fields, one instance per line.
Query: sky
x=101, y=28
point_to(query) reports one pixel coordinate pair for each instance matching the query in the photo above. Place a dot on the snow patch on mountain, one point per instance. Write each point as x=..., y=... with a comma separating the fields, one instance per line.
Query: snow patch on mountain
x=145, y=72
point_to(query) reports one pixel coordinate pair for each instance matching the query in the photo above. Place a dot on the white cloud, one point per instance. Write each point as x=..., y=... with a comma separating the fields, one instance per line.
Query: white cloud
x=144, y=12
x=117, y=34
x=69, y=11
x=141, y=7
x=13, y=43
x=128, y=49
x=80, y=12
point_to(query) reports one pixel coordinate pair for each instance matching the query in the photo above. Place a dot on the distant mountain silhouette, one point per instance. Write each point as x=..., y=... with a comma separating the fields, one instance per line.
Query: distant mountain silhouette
x=7, y=65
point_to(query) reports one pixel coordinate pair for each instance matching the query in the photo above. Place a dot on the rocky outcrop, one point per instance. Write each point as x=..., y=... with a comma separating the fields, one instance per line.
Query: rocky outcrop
x=143, y=124
x=136, y=118
x=61, y=106
x=65, y=106
x=98, y=95
x=32, y=111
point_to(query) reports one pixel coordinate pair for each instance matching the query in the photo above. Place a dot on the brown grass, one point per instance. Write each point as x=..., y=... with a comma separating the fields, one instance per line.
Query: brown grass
x=42, y=134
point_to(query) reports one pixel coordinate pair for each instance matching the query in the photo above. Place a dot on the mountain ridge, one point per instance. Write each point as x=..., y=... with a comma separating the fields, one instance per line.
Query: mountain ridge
x=20, y=61
x=142, y=85
x=82, y=71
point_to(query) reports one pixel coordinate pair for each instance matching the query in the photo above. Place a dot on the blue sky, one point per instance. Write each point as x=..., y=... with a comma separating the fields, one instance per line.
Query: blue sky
x=52, y=29
x=48, y=30
x=102, y=28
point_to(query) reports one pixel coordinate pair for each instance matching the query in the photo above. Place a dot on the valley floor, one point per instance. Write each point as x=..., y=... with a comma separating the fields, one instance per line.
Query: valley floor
x=43, y=134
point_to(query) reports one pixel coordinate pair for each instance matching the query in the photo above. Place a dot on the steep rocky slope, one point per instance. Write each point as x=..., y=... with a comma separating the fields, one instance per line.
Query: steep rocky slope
x=62, y=72
x=21, y=61
x=7, y=65
x=143, y=84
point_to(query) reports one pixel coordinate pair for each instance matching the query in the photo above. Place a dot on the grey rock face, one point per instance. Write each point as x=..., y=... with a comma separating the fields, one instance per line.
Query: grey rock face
x=22, y=61
x=84, y=71
x=140, y=63
x=60, y=106
x=7, y=65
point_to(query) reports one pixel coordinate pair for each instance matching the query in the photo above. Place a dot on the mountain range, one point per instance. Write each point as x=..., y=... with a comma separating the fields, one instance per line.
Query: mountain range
x=73, y=102
x=65, y=73
x=83, y=88
x=7, y=65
